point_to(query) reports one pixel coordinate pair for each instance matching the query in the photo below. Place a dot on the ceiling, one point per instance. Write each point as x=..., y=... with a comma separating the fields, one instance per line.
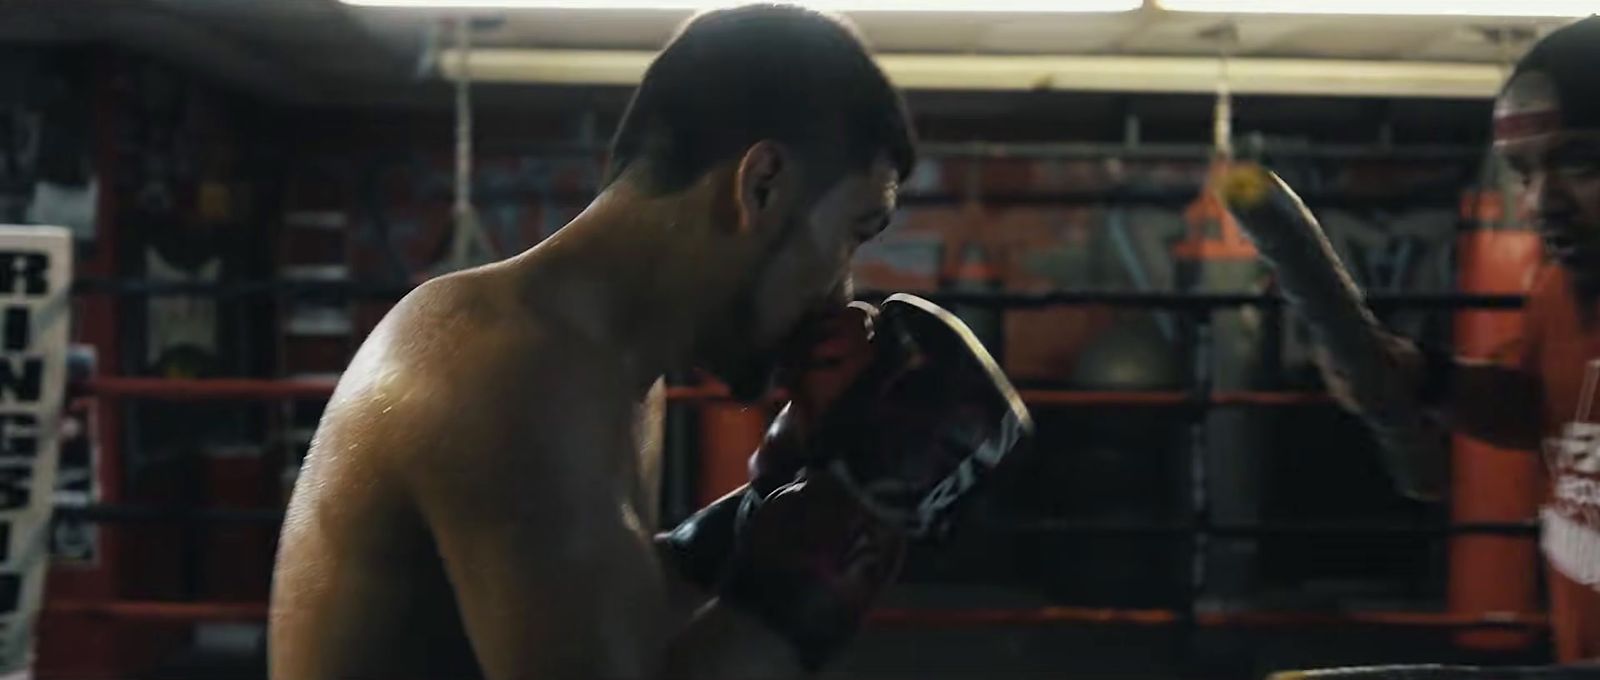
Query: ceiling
x=1150, y=32
x=321, y=52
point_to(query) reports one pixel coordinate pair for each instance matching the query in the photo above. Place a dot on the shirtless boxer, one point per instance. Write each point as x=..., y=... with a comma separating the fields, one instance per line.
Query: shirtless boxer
x=1547, y=126
x=478, y=501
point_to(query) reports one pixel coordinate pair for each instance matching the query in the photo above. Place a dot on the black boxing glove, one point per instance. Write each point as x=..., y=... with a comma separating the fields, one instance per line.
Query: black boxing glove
x=826, y=355
x=810, y=561
x=699, y=547
x=904, y=406
x=806, y=559
x=889, y=436
x=925, y=423
x=883, y=439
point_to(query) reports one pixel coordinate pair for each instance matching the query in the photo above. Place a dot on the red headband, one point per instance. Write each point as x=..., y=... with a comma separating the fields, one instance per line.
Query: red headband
x=1526, y=124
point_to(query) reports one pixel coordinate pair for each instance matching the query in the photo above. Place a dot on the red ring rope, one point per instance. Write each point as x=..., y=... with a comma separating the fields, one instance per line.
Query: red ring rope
x=186, y=389
x=256, y=611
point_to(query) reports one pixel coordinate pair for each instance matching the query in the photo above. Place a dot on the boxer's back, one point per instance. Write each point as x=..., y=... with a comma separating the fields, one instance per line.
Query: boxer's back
x=359, y=589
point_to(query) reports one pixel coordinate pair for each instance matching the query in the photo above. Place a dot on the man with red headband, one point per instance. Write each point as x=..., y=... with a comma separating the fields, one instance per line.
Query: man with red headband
x=1547, y=127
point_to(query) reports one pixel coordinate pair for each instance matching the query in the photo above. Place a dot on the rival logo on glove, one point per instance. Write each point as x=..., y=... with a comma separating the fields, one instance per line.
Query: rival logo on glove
x=913, y=440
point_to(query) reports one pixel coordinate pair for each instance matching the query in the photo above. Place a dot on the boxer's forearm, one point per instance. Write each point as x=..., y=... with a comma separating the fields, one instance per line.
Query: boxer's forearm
x=716, y=641
x=685, y=597
x=1492, y=403
x=722, y=643
x=694, y=554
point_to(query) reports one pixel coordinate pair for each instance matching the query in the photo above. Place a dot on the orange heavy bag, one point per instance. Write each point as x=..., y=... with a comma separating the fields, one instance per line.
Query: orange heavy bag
x=1490, y=573
x=729, y=433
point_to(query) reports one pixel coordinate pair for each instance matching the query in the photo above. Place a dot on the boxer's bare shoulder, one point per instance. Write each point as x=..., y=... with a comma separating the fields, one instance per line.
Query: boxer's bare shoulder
x=462, y=419
x=358, y=580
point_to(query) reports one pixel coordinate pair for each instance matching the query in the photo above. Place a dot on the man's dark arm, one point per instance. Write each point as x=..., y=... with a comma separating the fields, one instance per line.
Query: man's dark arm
x=1490, y=402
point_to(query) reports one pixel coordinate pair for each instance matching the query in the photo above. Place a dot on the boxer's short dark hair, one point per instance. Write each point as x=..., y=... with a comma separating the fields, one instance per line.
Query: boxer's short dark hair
x=734, y=77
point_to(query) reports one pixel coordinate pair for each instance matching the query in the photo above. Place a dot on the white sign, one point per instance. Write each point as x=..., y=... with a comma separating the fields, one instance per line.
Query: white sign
x=35, y=282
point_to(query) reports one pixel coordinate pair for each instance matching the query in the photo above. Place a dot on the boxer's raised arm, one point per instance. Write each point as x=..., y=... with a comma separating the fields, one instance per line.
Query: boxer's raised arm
x=1489, y=401
x=556, y=575
x=552, y=571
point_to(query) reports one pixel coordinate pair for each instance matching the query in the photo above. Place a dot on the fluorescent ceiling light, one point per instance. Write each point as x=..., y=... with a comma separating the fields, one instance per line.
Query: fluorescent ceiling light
x=980, y=6
x=974, y=72
x=1467, y=8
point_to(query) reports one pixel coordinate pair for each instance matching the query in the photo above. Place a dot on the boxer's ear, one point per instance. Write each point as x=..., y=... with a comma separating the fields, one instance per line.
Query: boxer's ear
x=763, y=185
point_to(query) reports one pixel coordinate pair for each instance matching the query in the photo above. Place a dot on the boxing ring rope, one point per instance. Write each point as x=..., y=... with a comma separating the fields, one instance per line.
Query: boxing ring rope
x=178, y=612
x=125, y=513
x=1258, y=530
x=1174, y=617
x=169, y=611
x=276, y=389
x=252, y=389
x=1006, y=300
x=157, y=611
x=201, y=389
x=269, y=389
